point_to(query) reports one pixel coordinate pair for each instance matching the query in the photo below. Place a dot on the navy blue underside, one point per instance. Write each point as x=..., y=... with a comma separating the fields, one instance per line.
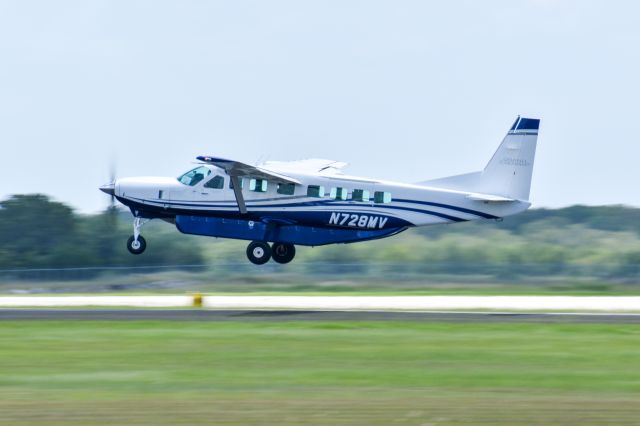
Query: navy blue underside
x=292, y=234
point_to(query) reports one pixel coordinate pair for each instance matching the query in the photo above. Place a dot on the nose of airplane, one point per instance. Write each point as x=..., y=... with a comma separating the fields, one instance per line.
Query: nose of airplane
x=109, y=188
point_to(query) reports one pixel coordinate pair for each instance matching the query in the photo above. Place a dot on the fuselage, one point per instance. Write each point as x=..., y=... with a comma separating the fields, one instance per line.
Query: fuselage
x=277, y=205
x=352, y=208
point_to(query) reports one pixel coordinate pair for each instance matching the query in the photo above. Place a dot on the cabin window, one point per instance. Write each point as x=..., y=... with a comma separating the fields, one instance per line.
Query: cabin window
x=360, y=195
x=258, y=185
x=239, y=180
x=315, y=191
x=195, y=176
x=286, y=188
x=338, y=193
x=382, y=197
x=216, y=183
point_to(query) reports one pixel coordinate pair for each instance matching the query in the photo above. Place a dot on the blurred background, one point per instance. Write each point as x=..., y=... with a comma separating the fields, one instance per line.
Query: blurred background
x=46, y=247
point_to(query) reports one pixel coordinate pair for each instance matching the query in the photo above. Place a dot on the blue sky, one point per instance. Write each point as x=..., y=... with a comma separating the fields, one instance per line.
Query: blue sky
x=402, y=90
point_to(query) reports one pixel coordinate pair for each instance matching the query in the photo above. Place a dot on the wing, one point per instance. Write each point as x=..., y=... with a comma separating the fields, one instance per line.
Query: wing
x=236, y=168
x=311, y=165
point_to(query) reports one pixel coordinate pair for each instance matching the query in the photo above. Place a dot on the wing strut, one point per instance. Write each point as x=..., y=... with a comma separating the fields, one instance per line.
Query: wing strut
x=237, y=190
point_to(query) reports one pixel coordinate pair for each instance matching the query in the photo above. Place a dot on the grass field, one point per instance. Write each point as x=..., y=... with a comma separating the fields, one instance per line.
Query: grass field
x=411, y=373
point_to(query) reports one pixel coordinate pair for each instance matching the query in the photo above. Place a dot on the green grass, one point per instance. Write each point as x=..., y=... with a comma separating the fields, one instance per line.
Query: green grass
x=73, y=372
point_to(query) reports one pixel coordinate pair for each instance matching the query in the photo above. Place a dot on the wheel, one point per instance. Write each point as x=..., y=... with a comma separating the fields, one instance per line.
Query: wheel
x=259, y=252
x=282, y=252
x=136, y=247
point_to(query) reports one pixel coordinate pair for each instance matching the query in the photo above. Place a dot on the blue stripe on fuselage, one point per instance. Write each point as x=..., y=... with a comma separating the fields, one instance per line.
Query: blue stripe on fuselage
x=429, y=212
x=447, y=206
x=322, y=203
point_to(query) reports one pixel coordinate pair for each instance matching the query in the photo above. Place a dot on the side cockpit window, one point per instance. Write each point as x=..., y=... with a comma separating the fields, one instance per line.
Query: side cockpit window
x=195, y=176
x=217, y=182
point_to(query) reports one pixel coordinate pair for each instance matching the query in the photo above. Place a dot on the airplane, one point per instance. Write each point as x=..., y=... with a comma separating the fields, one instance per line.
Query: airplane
x=313, y=203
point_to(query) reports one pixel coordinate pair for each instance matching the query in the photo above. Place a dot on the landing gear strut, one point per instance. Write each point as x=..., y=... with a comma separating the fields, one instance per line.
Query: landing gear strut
x=136, y=244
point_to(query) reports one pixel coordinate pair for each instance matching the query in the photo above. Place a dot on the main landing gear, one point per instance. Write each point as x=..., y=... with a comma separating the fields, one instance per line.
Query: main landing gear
x=260, y=252
x=136, y=244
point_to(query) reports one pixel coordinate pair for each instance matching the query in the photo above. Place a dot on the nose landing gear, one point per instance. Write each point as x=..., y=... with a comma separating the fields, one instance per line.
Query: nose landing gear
x=260, y=252
x=136, y=244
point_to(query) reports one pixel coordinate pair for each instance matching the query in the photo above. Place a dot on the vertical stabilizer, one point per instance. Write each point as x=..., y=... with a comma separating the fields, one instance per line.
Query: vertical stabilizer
x=508, y=174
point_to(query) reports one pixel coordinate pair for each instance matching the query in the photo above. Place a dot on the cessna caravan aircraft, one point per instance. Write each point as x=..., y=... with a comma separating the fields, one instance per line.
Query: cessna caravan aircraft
x=312, y=202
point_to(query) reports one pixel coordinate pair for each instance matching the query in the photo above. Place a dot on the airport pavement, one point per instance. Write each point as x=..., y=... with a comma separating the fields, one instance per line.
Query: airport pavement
x=604, y=304
x=306, y=315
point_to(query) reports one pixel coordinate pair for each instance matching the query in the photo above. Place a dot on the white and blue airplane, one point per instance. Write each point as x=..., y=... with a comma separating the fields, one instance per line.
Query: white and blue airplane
x=313, y=203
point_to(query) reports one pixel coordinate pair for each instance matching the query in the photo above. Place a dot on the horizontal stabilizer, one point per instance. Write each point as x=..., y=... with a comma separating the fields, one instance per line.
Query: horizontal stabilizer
x=488, y=198
x=455, y=183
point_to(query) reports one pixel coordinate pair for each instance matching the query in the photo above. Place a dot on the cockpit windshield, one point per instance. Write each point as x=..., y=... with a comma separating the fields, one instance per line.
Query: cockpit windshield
x=194, y=176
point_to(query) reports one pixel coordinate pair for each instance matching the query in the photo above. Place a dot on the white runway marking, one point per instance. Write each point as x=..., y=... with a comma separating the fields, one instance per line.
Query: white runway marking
x=364, y=303
x=70, y=301
x=422, y=303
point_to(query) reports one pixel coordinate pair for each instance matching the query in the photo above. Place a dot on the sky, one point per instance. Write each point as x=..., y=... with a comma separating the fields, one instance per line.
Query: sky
x=401, y=90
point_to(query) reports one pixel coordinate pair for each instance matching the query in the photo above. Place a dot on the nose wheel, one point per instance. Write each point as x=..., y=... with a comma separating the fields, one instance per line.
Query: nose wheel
x=136, y=244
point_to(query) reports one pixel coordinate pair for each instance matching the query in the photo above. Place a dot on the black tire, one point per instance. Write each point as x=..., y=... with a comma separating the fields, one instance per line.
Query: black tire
x=283, y=253
x=258, y=252
x=136, y=248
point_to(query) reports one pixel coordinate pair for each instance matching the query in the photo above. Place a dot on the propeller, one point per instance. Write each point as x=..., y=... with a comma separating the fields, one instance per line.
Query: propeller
x=112, y=179
x=110, y=218
x=110, y=188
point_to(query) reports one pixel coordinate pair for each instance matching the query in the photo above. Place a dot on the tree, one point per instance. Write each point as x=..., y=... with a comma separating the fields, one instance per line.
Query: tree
x=32, y=229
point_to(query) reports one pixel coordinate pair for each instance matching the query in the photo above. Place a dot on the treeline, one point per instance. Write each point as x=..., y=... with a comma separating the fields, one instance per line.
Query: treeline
x=36, y=232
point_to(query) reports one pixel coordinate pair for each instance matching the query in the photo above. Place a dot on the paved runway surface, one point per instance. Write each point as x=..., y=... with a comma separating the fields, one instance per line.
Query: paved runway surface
x=273, y=315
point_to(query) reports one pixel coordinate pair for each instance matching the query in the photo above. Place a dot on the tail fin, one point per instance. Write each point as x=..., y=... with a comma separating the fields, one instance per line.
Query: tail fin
x=508, y=173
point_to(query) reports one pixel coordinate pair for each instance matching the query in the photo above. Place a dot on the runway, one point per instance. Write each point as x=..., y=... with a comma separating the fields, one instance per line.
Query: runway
x=522, y=304
x=307, y=315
